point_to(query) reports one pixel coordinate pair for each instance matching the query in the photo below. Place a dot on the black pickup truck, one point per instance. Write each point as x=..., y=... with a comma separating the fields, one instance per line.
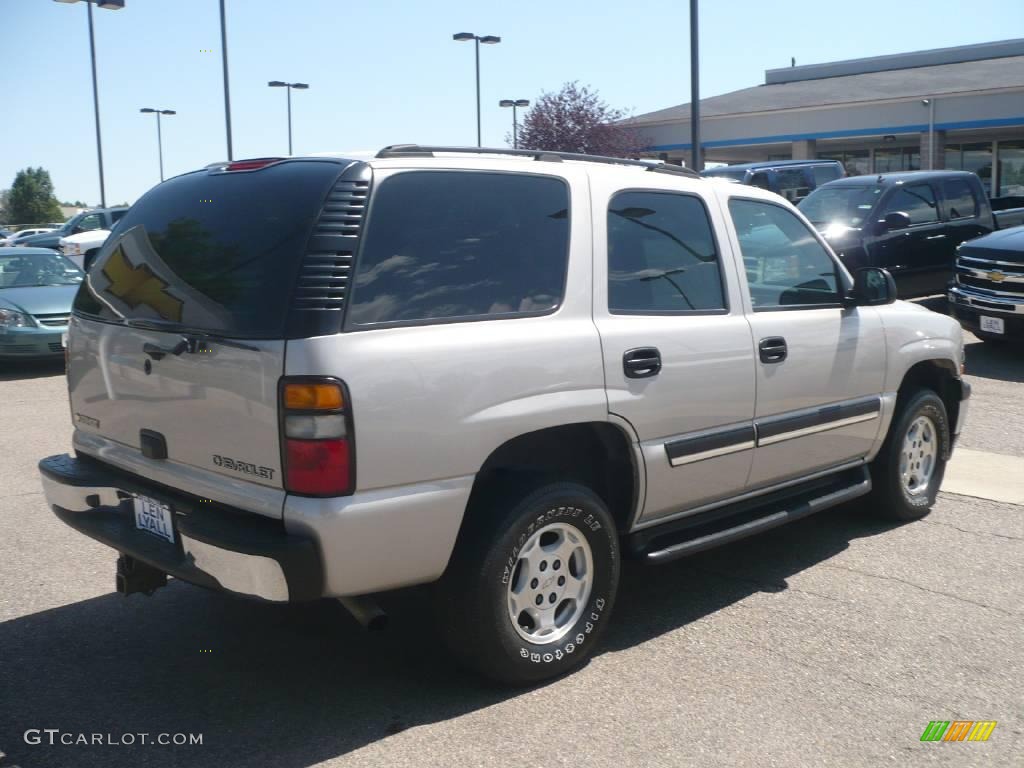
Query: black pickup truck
x=910, y=223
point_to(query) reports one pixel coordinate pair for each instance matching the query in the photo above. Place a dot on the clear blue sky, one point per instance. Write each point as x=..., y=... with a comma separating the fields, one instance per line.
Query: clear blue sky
x=387, y=71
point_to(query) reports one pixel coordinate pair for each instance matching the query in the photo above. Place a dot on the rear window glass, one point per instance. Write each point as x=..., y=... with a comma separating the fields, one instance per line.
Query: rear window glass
x=462, y=245
x=211, y=251
x=960, y=198
x=823, y=174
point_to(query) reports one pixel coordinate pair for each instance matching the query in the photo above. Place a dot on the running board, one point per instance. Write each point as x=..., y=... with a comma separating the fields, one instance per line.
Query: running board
x=688, y=536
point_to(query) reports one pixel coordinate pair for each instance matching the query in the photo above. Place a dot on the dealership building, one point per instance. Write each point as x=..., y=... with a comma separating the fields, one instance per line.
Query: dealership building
x=946, y=108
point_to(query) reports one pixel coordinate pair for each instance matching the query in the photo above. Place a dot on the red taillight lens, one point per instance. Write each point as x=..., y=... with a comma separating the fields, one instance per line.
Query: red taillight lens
x=252, y=165
x=318, y=467
x=316, y=437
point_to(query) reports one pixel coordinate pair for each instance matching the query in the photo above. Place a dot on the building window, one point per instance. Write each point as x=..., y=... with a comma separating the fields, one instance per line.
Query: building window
x=889, y=160
x=1011, y=168
x=976, y=158
x=856, y=162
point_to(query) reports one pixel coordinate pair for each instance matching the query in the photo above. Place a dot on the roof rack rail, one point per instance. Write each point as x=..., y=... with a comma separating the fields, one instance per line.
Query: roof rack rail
x=416, y=150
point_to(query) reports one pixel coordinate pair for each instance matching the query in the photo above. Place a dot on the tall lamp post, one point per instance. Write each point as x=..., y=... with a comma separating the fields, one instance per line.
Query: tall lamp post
x=514, y=103
x=463, y=37
x=113, y=5
x=289, y=86
x=159, y=136
x=930, y=103
x=697, y=157
x=227, y=90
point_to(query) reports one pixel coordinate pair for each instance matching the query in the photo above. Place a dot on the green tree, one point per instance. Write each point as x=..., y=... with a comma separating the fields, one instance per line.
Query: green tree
x=31, y=200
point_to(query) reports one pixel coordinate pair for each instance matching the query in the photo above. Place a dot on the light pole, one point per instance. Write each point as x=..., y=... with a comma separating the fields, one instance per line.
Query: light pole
x=159, y=137
x=289, y=86
x=227, y=90
x=697, y=158
x=514, y=103
x=463, y=37
x=113, y=5
x=930, y=103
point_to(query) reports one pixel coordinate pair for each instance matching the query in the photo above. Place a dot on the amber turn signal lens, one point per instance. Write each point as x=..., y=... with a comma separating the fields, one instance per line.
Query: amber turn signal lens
x=313, y=397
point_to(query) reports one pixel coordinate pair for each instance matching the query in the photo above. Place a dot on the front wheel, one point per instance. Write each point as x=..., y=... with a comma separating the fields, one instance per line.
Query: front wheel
x=908, y=471
x=531, y=586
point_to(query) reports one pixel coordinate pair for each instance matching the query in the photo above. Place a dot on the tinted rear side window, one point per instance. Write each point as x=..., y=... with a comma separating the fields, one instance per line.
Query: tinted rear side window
x=213, y=251
x=661, y=255
x=443, y=245
x=960, y=200
x=823, y=174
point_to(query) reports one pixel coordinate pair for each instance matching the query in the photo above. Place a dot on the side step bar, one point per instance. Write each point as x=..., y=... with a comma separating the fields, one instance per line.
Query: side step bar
x=681, y=538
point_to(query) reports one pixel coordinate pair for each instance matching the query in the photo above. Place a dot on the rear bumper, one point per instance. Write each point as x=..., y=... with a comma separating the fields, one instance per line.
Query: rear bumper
x=215, y=546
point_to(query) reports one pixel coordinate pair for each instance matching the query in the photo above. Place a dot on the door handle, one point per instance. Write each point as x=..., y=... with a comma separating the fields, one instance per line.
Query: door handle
x=772, y=349
x=935, y=237
x=641, y=363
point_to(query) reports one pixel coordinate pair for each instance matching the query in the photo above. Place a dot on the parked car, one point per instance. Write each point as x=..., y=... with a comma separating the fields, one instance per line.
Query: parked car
x=37, y=287
x=988, y=293
x=793, y=179
x=495, y=373
x=83, y=247
x=910, y=223
x=19, y=237
x=98, y=218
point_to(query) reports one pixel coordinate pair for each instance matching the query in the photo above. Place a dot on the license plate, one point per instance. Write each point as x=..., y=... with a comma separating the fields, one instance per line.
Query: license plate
x=992, y=324
x=153, y=516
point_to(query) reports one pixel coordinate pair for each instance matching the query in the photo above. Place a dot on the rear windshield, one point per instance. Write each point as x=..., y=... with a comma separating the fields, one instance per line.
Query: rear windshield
x=451, y=245
x=217, y=252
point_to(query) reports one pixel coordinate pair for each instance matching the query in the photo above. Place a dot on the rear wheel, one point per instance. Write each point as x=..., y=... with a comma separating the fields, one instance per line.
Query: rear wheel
x=908, y=471
x=528, y=593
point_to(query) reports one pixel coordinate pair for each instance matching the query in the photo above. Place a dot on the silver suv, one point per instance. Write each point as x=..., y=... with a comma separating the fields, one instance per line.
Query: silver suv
x=493, y=371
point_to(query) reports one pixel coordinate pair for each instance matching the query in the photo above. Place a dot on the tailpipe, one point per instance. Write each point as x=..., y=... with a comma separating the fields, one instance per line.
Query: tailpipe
x=366, y=611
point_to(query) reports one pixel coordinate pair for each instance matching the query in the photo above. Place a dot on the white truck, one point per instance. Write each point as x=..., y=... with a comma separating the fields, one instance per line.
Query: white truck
x=83, y=247
x=493, y=371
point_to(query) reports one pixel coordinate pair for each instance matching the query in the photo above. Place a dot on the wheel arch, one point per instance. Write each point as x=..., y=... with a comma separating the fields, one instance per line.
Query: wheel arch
x=597, y=454
x=942, y=376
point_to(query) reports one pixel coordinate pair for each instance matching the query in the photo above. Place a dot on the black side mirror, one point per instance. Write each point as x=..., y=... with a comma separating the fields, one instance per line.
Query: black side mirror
x=872, y=287
x=894, y=220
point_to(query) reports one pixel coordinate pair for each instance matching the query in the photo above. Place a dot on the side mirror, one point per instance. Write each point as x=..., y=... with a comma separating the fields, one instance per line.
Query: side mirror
x=872, y=287
x=894, y=220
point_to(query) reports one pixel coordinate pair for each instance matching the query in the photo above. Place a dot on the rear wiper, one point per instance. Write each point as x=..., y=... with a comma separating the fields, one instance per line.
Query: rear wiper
x=189, y=341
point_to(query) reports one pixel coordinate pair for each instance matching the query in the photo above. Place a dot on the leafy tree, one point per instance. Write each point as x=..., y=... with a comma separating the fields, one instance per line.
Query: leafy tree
x=576, y=119
x=31, y=199
x=4, y=195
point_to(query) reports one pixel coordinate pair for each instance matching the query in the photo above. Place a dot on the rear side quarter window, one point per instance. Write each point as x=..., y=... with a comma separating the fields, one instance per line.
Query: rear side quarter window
x=961, y=202
x=444, y=246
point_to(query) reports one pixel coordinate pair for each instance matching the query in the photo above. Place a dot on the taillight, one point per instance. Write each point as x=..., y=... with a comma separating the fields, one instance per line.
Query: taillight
x=316, y=437
x=252, y=165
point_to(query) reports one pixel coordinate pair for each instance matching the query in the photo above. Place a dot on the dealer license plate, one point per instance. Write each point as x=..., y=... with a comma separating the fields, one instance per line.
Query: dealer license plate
x=153, y=516
x=992, y=324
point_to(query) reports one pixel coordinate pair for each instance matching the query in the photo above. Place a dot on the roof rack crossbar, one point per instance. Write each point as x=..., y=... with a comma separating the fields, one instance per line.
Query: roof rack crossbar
x=416, y=150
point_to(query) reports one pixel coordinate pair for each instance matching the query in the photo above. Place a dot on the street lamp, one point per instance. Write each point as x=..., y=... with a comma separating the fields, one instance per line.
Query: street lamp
x=289, y=86
x=112, y=5
x=464, y=37
x=514, y=103
x=159, y=137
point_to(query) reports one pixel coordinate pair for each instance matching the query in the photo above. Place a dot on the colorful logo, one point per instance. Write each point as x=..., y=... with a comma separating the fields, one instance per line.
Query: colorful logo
x=958, y=730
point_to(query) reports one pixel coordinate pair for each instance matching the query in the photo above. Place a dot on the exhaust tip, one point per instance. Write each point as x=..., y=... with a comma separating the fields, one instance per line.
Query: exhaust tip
x=367, y=612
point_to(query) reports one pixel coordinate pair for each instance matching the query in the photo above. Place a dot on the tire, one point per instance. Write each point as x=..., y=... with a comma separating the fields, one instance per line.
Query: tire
x=909, y=495
x=538, y=543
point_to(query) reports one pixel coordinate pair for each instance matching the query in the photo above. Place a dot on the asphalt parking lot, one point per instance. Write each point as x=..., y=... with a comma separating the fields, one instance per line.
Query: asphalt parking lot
x=833, y=641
